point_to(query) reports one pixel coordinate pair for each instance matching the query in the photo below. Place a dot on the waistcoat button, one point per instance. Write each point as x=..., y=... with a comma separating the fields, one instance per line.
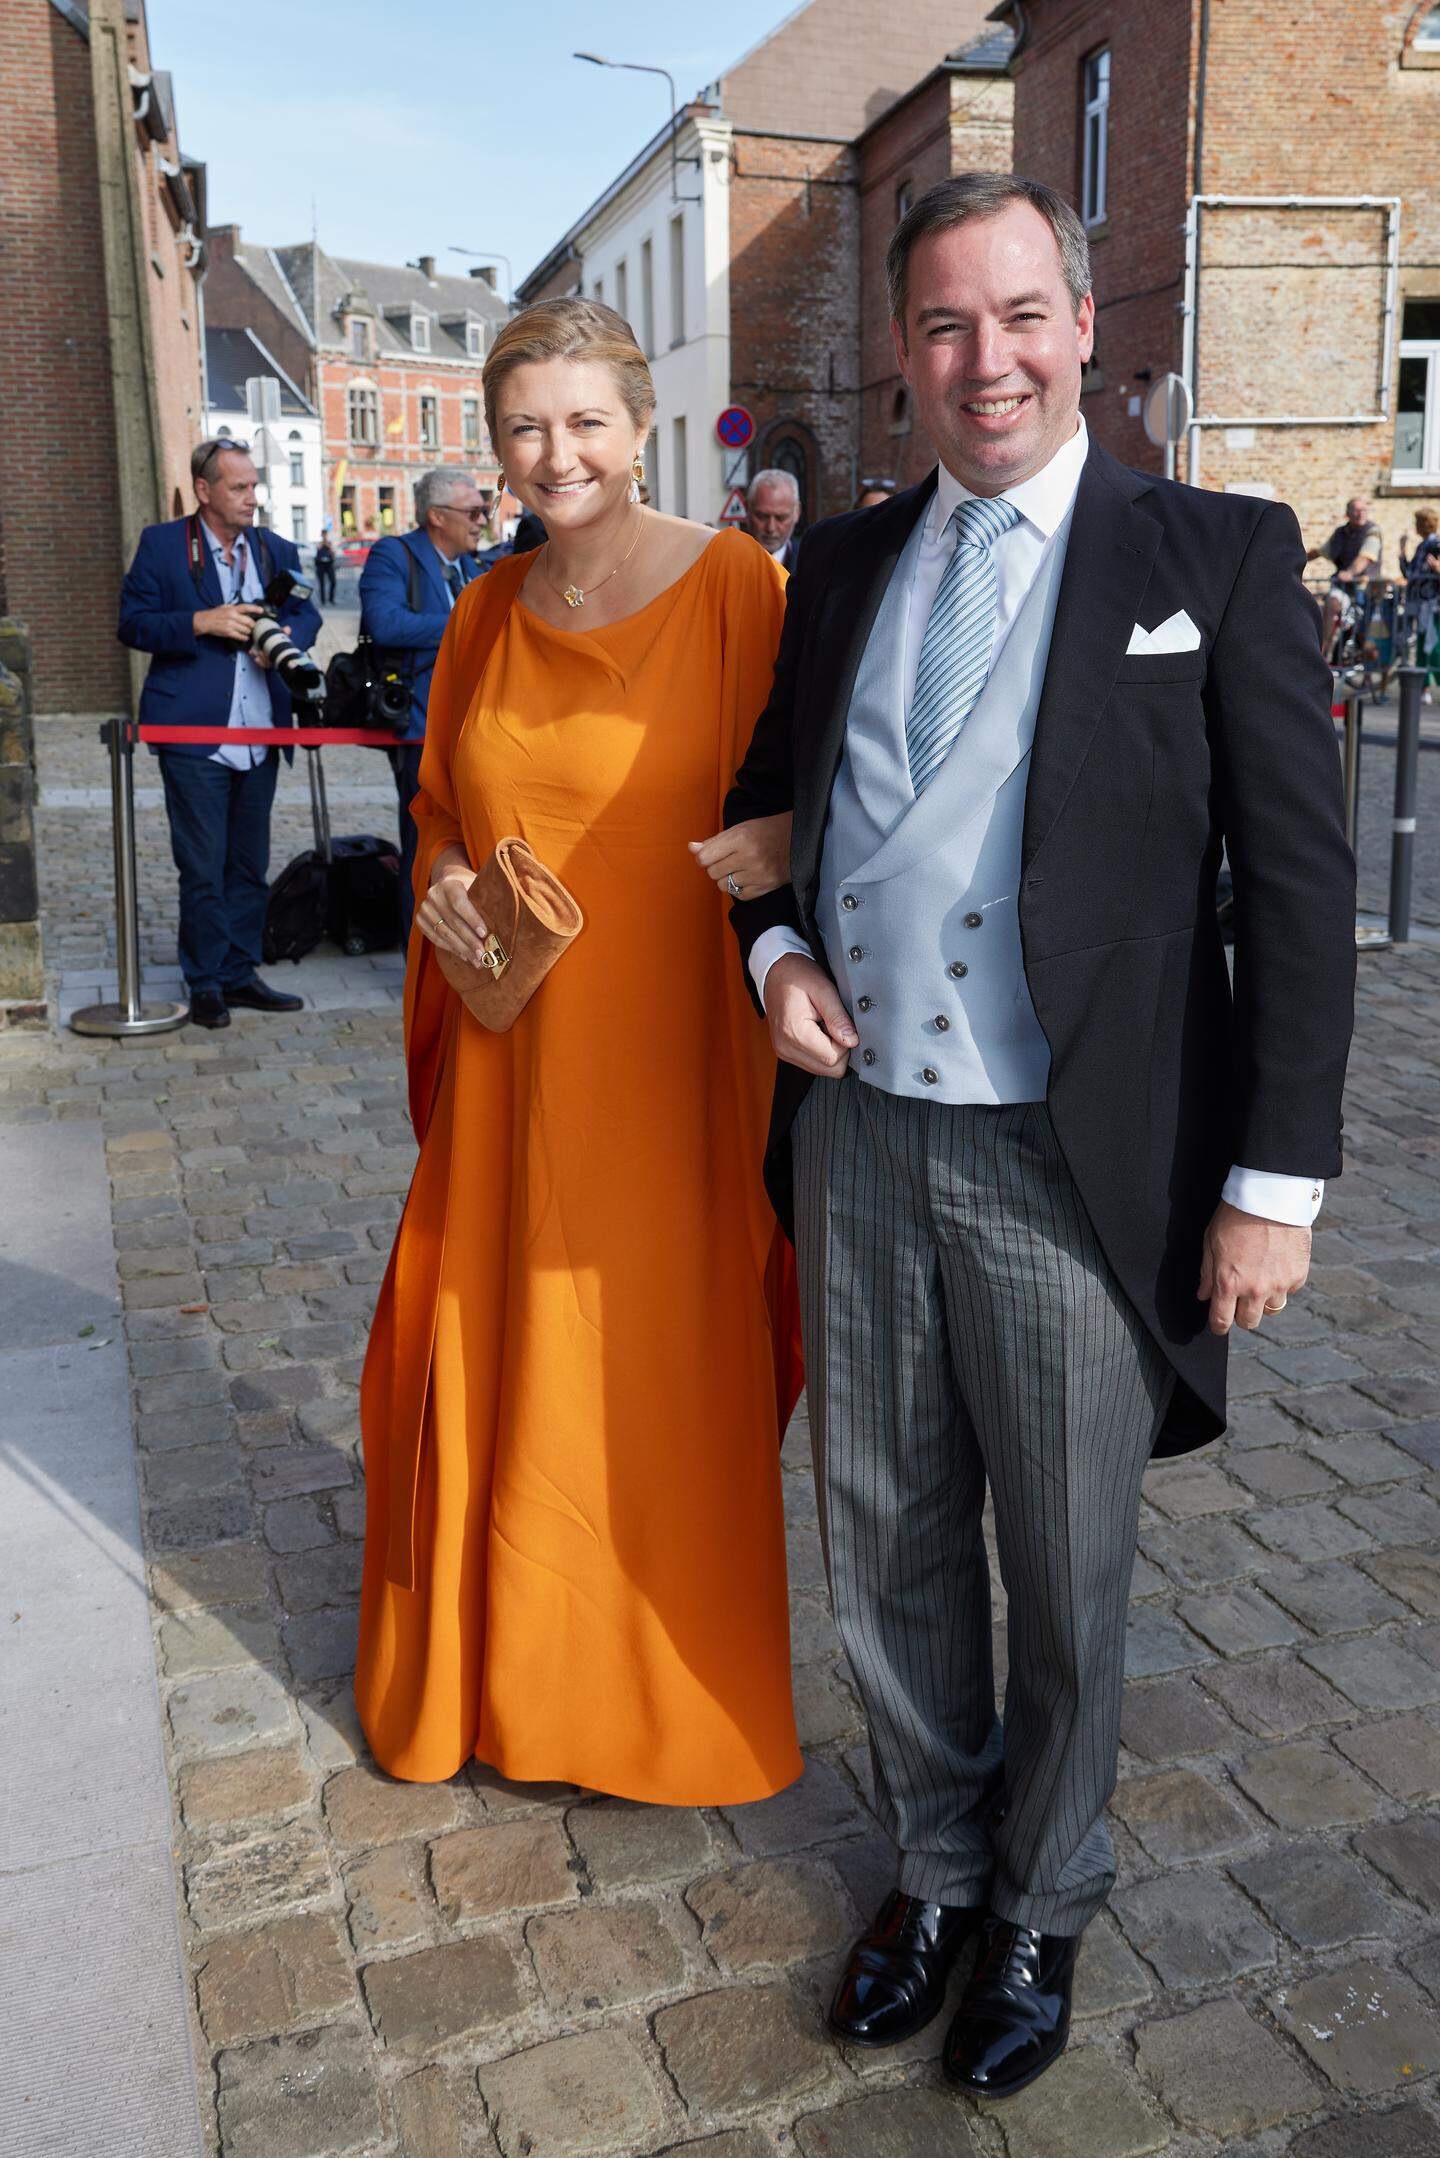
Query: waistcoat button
x=849, y=902
x=959, y=970
x=929, y=1076
x=869, y=1055
x=942, y=1022
x=974, y=921
x=865, y=1003
x=857, y=951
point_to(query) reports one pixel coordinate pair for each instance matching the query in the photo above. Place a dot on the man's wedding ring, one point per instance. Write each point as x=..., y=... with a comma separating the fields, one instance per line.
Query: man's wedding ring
x=731, y=886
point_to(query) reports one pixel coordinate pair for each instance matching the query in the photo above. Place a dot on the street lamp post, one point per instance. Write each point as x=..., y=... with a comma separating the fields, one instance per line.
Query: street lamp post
x=641, y=67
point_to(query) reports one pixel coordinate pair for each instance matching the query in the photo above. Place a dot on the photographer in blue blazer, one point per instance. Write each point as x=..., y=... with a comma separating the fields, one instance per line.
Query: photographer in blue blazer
x=407, y=588
x=191, y=598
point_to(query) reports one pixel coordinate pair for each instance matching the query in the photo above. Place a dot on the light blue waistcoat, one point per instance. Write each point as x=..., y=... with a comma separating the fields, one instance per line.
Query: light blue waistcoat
x=919, y=900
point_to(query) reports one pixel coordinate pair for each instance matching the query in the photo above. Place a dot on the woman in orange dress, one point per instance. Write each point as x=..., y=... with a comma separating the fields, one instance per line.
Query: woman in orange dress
x=586, y=1350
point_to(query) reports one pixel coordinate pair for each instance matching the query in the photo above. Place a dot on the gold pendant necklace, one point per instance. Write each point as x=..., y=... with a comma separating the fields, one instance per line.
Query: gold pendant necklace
x=571, y=593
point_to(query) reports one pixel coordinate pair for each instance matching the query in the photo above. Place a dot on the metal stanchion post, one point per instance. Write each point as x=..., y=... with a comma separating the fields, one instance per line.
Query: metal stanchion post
x=1368, y=937
x=1407, y=788
x=319, y=804
x=131, y=1016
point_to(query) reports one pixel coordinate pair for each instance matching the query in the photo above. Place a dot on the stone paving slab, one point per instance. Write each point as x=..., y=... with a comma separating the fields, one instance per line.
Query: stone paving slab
x=414, y=1973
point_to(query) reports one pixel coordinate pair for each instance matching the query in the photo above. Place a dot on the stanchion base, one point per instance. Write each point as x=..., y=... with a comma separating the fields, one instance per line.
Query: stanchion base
x=117, y=1023
x=1369, y=939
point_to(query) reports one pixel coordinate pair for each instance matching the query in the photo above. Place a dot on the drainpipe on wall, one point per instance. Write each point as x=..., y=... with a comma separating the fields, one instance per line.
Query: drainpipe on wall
x=1197, y=187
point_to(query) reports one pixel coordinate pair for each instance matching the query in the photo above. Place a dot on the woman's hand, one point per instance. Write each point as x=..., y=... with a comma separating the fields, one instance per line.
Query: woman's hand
x=445, y=914
x=756, y=854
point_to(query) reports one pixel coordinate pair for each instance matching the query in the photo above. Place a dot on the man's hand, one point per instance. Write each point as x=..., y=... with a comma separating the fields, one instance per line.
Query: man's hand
x=235, y=620
x=809, y=1025
x=1249, y=1266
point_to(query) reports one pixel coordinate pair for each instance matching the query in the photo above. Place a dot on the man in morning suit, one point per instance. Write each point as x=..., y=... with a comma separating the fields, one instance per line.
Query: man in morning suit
x=1038, y=1155
x=191, y=597
x=408, y=586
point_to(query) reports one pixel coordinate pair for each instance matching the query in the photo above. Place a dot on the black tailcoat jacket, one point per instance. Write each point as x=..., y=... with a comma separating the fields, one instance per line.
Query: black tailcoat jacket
x=1143, y=768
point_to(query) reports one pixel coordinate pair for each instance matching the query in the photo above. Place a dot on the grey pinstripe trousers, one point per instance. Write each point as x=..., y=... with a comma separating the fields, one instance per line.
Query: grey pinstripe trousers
x=962, y=1325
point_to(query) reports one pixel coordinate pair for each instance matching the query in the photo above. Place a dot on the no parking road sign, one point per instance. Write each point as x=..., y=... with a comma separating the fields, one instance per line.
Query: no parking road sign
x=735, y=428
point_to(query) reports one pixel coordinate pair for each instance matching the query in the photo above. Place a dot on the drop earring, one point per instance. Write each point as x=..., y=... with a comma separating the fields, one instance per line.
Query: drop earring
x=637, y=479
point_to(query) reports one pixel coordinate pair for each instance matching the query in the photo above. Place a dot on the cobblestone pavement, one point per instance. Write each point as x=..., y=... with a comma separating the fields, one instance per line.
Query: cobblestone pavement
x=431, y=1972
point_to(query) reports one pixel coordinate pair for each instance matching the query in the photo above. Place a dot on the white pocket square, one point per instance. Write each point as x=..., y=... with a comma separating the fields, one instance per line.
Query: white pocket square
x=1177, y=634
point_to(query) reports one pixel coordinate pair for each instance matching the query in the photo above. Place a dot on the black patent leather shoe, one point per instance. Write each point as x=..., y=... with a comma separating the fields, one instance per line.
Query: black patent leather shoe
x=894, y=1983
x=258, y=996
x=1014, y=2015
x=208, y=1009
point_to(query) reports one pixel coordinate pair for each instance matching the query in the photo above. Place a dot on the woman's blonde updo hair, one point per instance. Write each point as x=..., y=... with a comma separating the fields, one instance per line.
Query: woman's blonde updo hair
x=571, y=329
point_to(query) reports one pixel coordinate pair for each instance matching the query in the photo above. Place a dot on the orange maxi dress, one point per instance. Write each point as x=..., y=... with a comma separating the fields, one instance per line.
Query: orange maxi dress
x=586, y=1346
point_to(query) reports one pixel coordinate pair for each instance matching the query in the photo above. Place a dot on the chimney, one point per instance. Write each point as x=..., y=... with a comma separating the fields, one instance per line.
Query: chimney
x=485, y=270
x=427, y=267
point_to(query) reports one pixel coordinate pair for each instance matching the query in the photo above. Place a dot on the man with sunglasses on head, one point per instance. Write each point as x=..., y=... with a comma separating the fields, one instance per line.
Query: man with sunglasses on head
x=191, y=598
x=407, y=588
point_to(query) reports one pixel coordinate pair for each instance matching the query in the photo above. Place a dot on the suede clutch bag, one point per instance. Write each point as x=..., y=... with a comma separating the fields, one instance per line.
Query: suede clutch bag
x=531, y=920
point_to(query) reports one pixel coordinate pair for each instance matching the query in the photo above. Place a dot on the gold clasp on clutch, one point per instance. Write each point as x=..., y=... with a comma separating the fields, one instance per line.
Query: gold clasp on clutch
x=494, y=957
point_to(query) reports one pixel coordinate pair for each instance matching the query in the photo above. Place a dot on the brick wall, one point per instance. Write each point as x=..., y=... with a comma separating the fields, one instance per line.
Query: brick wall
x=57, y=430
x=953, y=122
x=1299, y=100
x=831, y=68
x=1137, y=256
x=794, y=334
x=57, y=434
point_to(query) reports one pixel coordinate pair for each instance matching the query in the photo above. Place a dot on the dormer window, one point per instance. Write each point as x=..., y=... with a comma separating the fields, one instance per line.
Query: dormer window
x=420, y=331
x=359, y=337
x=475, y=340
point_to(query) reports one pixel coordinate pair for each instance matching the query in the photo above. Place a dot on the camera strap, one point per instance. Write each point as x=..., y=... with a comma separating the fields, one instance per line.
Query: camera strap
x=195, y=550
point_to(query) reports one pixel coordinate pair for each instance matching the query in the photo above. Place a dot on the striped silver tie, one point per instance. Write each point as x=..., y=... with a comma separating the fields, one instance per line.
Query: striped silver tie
x=955, y=654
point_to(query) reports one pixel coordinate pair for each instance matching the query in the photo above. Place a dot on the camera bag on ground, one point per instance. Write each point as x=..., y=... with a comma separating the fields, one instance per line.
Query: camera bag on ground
x=344, y=889
x=370, y=687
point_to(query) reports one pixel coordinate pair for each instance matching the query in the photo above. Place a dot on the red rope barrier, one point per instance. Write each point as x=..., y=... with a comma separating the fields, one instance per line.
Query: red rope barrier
x=275, y=737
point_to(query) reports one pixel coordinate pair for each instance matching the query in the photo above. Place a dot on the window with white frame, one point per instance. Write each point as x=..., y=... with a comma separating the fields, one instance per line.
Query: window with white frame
x=429, y=423
x=470, y=422
x=1427, y=33
x=299, y=525
x=297, y=468
x=1417, y=405
x=679, y=473
x=647, y=299
x=420, y=331
x=359, y=337
x=1095, y=140
x=475, y=340
x=364, y=413
x=677, y=286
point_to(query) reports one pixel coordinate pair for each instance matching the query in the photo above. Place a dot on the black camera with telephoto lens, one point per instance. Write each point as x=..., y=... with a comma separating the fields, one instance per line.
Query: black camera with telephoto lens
x=278, y=649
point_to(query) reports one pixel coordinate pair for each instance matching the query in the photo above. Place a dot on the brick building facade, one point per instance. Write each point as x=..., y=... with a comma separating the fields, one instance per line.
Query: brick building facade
x=955, y=119
x=390, y=357
x=1147, y=105
x=101, y=255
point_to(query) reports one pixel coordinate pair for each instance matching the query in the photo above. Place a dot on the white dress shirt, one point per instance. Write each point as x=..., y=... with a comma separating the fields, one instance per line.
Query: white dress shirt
x=1045, y=502
x=250, y=692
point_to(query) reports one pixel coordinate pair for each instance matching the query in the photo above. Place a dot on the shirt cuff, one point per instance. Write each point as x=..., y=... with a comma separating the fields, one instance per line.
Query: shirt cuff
x=1292, y=1199
x=770, y=945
